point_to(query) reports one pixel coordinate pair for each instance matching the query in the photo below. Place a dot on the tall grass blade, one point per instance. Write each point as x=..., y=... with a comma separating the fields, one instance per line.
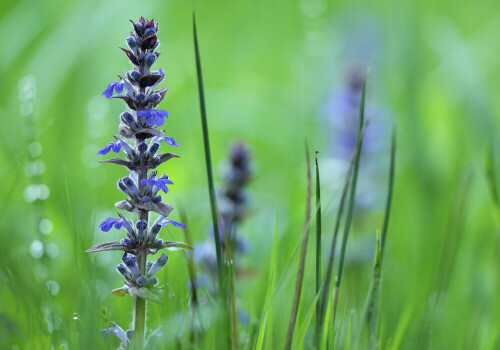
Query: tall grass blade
x=349, y=176
x=211, y=189
x=302, y=262
x=388, y=203
x=350, y=207
x=491, y=177
x=208, y=161
x=299, y=340
x=373, y=298
x=318, y=241
x=272, y=279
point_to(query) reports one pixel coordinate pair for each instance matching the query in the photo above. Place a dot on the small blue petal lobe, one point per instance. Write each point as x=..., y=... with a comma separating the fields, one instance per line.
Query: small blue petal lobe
x=165, y=222
x=114, y=145
x=116, y=86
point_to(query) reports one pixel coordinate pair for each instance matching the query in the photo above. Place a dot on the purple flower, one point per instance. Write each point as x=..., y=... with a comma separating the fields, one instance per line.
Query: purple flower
x=106, y=225
x=113, y=145
x=168, y=140
x=130, y=260
x=162, y=261
x=158, y=182
x=116, y=85
x=165, y=222
x=152, y=116
x=119, y=332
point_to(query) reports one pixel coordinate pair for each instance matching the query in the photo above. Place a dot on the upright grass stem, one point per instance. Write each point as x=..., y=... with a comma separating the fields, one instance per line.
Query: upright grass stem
x=208, y=162
x=221, y=269
x=373, y=298
x=318, y=241
x=329, y=272
x=350, y=208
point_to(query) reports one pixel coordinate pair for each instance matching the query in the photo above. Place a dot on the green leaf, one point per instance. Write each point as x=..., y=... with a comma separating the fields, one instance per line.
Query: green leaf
x=120, y=292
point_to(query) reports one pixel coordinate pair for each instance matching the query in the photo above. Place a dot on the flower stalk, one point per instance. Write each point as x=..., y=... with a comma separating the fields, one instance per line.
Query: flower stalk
x=137, y=88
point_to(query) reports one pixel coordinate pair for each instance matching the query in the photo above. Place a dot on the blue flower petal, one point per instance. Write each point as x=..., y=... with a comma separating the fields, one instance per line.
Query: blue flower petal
x=168, y=140
x=107, y=224
x=152, y=116
x=160, y=183
x=116, y=86
x=165, y=222
x=120, y=333
x=113, y=145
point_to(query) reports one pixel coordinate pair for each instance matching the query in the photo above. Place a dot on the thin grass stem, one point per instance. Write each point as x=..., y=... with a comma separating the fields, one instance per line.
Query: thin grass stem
x=350, y=174
x=318, y=241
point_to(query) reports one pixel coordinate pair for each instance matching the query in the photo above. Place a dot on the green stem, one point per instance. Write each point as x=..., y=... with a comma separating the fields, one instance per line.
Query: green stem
x=140, y=309
x=140, y=303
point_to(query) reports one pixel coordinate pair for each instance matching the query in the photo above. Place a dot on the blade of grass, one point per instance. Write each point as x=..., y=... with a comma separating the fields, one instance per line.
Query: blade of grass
x=351, y=173
x=318, y=241
x=403, y=323
x=491, y=177
x=208, y=160
x=302, y=262
x=299, y=339
x=373, y=298
x=350, y=207
x=232, y=305
x=211, y=189
x=272, y=279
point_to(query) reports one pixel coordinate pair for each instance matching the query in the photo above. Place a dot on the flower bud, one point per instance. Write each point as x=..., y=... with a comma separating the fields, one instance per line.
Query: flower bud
x=142, y=59
x=131, y=186
x=124, y=271
x=128, y=119
x=141, y=226
x=142, y=147
x=142, y=280
x=130, y=261
x=139, y=28
x=151, y=281
x=149, y=263
x=122, y=187
x=150, y=59
x=162, y=261
x=154, y=98
x=133, y=75
x=140, y=97
x=131, y=43
x=156, y=199
x=153, y=149
x=149, y=32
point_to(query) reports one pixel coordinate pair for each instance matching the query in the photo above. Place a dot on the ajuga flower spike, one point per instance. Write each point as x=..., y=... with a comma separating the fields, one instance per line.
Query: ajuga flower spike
x=140, y=142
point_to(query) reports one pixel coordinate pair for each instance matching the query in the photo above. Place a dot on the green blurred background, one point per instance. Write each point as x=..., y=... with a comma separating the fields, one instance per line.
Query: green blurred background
x=271, y=71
